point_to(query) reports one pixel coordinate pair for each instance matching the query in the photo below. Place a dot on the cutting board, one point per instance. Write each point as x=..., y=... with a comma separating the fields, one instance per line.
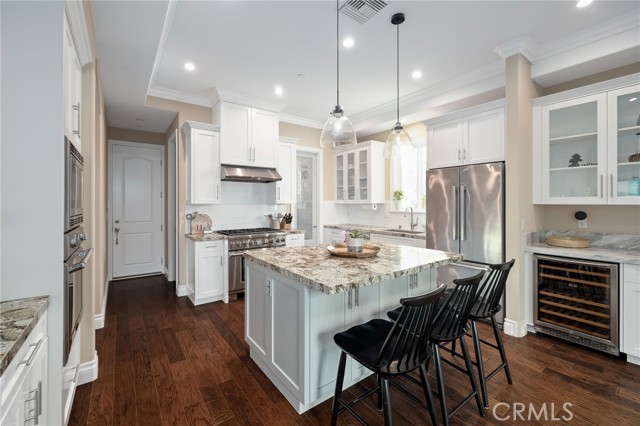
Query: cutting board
x=200, y=223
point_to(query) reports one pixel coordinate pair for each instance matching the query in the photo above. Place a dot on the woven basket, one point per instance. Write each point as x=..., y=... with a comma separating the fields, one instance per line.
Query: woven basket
x=572, y=242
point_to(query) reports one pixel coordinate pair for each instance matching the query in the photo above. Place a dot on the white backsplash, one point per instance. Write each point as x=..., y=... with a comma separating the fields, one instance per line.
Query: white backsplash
x=364, y=214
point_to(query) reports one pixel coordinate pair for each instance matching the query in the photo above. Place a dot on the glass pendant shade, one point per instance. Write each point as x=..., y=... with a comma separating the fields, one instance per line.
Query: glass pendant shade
x=397, y=139
x=338, y=131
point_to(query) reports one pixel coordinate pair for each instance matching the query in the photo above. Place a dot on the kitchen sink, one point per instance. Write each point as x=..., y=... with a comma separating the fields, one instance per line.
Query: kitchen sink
x=403, y=231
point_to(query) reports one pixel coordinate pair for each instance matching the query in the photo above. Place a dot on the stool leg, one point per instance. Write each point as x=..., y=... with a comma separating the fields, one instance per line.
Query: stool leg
x=472, y=377
x=503, y=355
x=476, y=346
x=443, y=398
x=386, y=402
x=338, y=391
x=379, y=393
x=427, y=393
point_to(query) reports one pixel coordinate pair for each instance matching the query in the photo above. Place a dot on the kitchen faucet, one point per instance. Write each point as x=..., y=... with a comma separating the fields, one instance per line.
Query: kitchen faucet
x=413, y=224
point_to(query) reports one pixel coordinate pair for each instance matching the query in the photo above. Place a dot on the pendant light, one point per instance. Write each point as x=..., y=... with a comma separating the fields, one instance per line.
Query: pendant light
x=338, y=131
x=398, y=136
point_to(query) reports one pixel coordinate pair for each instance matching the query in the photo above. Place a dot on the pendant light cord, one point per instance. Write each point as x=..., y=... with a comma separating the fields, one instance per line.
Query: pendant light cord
x=398, y=73
x=337, y=55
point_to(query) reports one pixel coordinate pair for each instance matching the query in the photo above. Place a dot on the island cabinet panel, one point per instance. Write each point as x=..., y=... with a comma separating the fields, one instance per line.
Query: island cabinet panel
x=256, y=312
x=630, y=315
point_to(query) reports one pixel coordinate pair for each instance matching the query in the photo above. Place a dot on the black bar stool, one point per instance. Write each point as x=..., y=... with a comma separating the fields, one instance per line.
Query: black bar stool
x=450, y=326
x=487, y=306
x=389, y=349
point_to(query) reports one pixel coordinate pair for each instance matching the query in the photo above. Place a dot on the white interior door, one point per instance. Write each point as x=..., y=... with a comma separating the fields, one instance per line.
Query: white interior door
x=172, y=208
x=307, y=195
x=138, y=238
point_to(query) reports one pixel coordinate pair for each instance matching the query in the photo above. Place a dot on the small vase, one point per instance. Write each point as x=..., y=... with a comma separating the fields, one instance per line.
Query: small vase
x=355, y=245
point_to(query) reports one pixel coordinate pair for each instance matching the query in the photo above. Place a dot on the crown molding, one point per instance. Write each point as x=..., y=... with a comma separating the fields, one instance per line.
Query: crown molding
x=219, y=94
x=300, y=121
x=178, y=96
x=287, y=139
x=78, y=26
x=164, y=35
x=522, y=45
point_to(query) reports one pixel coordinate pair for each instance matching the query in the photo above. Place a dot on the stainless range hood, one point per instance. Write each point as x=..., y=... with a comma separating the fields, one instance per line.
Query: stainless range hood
x=249, y=174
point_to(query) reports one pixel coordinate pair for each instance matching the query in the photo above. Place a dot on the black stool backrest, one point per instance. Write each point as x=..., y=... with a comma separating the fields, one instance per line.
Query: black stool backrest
x=491, y=289
x=407, y=344
x=451, y=320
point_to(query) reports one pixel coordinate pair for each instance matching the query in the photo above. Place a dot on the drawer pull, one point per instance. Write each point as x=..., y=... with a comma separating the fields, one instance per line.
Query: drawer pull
x=36, y=346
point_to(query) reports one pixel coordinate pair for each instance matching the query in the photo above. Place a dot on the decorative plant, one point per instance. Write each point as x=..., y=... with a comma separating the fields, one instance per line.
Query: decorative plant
x=575, y=160
x=355, y=233
x=398, y=195
x=424, y=201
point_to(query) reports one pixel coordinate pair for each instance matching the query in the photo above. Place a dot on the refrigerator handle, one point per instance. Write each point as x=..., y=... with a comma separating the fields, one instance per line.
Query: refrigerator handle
x=454, y=195
x=463, y=212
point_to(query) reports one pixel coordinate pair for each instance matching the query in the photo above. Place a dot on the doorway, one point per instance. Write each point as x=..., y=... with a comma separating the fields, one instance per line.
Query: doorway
x=309, y=192
x=172, y=207
x=136, y=238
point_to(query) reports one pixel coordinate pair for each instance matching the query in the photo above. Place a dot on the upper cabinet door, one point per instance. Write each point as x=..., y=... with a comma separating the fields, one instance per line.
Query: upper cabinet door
x=264, y=138
x=340, y=165
x=72, y=75
x=483, y=137
x=445, y=144
x=624, y=145
x=235, y=134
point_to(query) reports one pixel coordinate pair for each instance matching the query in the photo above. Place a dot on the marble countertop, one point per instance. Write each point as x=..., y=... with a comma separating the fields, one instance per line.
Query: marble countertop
x=216, y=237
x=17, y=319
x=618, y=248
x=382, y=230
x=314, y=267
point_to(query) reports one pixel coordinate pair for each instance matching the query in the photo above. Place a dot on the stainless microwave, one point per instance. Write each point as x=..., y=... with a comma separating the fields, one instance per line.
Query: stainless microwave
x=73, y=172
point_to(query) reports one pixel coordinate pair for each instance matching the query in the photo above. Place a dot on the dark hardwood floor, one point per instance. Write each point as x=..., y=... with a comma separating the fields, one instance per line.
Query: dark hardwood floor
x=163, y=361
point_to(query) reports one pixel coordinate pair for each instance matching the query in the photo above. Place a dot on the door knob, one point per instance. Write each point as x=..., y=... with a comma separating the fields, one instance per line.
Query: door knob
x=117, y=220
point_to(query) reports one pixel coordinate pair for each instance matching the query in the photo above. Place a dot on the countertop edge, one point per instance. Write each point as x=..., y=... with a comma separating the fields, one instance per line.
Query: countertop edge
x=41, y=304
x=214, y=236
x=590, y=253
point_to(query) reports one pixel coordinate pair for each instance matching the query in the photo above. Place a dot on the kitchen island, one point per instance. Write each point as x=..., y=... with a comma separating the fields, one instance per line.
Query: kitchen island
x=296, y=299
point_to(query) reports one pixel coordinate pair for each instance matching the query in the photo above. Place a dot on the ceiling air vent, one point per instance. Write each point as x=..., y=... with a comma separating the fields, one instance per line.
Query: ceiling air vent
x=362, y=10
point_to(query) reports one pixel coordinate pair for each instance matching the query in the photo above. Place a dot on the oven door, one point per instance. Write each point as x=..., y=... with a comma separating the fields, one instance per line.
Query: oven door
x=236, y=272
x=73, y=296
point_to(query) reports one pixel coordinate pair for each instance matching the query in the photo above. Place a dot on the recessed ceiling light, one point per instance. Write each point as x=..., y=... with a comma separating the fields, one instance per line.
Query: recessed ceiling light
x=348, y=42
x=633, y=99
x=584, y=3
x=189, y=66
x=278, y=91
x=300, y=75
x=416, y=74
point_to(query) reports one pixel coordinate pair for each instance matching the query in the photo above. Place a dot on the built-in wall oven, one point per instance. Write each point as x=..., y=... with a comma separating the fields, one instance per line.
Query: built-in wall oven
x=577, y=300
x=241, y=240
x=73, y=204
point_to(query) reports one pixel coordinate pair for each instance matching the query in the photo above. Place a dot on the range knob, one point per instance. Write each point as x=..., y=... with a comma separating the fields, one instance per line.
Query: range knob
x=73, y=243
x=82, y=236
x=259, y=241
x=250, y=243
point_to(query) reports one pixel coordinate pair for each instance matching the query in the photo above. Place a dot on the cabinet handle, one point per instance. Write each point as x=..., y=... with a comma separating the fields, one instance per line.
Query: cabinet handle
x=611, y=193
x=249, y=153
x=268, y=287
x=39, y=399
x=601, y=186
x=349, y=303
x=30, y=359
x=77, y=109
x=357, y=297
x=278, y=194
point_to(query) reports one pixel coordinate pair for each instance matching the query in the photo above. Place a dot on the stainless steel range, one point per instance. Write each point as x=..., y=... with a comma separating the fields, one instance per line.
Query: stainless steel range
x=241, y=240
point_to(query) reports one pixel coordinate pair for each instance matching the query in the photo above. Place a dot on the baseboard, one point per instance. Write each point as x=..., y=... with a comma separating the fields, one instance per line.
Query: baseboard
x=166, y=273
x=515, y=328
x=99, y=318
x=182, y=290
x=633, y=359
x=88, y=371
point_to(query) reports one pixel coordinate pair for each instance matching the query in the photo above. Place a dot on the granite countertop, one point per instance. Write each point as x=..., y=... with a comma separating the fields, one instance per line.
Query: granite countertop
x=216, y=237
x=382, y=230
x=618, y=248
x=314, y=267
x=17, y=319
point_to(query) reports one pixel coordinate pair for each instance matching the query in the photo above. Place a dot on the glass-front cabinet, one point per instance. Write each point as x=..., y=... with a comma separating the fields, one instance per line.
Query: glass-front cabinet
x=624, y=145
x=359, y=174
x=587, y=148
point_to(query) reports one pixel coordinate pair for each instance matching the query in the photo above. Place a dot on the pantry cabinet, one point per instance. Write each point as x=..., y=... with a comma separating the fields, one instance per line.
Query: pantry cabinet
x=585, y=143
x=72, y=87
x=284, y=191
x=206, y=271
x=202, y=152
x=471, y=136
x=249, y=136
x=359, y=174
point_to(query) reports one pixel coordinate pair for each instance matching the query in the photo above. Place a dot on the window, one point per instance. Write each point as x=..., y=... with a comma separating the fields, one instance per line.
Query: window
x=408, y=174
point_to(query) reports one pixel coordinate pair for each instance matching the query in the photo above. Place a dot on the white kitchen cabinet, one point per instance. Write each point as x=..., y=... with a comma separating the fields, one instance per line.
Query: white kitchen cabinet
x=630, y=312
x=294, y=240
x=413, y=242
x=206, y=261
x=583, y=140
x=284, y=191
x=23, y=385
x=331, y=235
x=202, y=151
x=72, y=87
x=359, y=174
x=471, y=136
x=249, y=136
x=70, y=374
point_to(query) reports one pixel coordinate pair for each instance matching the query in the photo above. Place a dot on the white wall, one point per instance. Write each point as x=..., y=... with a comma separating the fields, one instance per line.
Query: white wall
x=32, y=167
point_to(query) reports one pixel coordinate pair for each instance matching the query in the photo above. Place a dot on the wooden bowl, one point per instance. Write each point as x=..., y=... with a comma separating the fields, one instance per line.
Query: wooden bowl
x=571, y=242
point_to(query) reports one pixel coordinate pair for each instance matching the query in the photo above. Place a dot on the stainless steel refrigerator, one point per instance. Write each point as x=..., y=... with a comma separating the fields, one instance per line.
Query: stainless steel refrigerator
x=465, y=214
